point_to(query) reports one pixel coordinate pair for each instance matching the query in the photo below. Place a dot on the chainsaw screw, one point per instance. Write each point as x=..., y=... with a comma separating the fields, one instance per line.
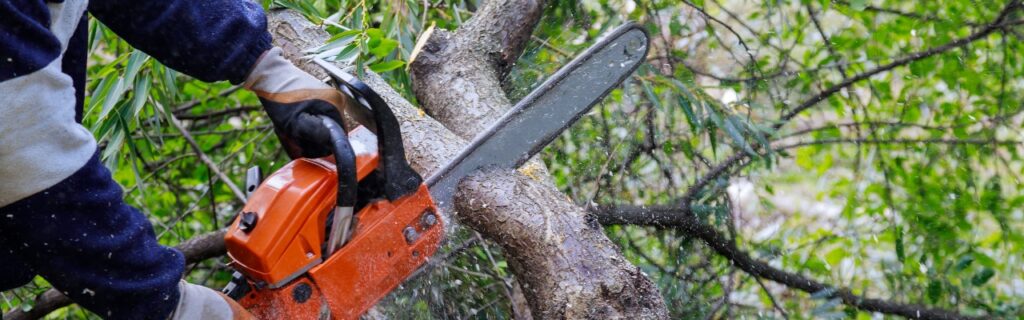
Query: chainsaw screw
x=302, y=292
x=428, y=220
x=410, y=234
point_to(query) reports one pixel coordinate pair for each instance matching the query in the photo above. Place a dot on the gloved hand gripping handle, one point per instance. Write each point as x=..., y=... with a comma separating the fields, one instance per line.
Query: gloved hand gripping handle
x=345, y=162
x=399, y=177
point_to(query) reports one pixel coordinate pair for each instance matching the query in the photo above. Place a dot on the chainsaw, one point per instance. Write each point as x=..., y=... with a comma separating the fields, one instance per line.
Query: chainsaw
x=327, y=238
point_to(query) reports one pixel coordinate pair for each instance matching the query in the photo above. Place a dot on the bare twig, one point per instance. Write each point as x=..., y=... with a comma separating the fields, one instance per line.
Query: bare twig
x=949, y=141
x=205, y=158
x=218, y=113
x=771, y=297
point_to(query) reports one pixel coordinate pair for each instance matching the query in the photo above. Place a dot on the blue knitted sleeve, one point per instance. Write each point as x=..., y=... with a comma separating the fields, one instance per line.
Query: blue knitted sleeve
x=211, y=40
x=26, y=43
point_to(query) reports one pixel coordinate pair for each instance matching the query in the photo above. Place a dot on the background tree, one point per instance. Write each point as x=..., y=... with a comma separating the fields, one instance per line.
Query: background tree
x=862, y=156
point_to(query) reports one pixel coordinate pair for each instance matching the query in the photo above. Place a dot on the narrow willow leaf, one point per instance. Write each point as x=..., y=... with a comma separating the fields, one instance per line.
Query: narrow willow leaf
x=900, y=253
x=732, y=126
x=135, y=62
x=337, y=43
x=387, y=66
x=111, y=97
x=140, y=93
x=348, y=54
x=101, y=90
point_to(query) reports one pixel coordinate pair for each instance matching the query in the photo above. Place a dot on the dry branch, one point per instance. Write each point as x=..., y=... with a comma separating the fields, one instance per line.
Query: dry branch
x=683, y=219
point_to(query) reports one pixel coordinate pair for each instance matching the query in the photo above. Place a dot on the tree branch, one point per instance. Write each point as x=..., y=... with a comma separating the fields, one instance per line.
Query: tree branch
x=685, y=220
x=218, y=113
x=949, y=141
x=205, y=158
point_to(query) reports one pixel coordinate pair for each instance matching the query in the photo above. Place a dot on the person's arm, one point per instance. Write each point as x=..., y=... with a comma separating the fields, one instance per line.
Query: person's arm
x=211, y=40
x=228, y=40
x=26, y=42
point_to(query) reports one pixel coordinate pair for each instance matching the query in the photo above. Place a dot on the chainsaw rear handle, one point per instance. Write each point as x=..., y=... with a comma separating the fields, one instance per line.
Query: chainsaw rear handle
x=344, y=161
x=399, y=178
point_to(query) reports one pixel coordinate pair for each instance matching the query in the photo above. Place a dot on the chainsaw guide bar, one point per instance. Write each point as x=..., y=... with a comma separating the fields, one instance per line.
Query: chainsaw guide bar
x=547, y=111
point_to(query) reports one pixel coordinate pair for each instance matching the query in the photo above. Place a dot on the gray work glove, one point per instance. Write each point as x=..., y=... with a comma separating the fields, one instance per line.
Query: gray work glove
x=201, y=303
x=294, y=99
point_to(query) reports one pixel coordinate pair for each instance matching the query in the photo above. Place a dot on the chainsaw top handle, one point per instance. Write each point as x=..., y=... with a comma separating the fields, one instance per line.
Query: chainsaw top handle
x=345, y=162
x=399, y=178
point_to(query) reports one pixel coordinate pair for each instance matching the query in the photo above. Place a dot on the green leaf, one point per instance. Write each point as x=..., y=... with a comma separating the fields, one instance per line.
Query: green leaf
x=387, y=66
x=934, y=291
x=686, y=101
x=351, y=33
x=836, y=256
x=135, y=61
x=384, y=47
x=731, y=127
x=110, y=98
x=339, y=43
x=982, y=276
x=347, y=54
x=984, y=259
x=139, y=95
x=691, y=118
x=373, y=37
x=964, y=262
x=900, y=251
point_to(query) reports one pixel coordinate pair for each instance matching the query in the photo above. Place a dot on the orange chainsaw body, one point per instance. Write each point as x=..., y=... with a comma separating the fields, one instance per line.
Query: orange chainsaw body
x=281, y=254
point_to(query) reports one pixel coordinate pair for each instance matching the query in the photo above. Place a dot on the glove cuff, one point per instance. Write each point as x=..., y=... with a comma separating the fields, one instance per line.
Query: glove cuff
x=275, y=75
x=199, y=302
